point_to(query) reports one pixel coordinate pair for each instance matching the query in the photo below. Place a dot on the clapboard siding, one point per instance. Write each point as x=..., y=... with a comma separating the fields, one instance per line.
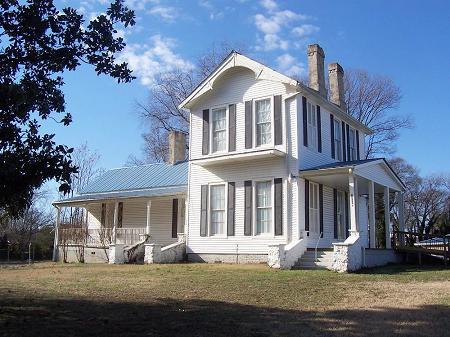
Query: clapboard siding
x=234, y=87
x=237, y=173
x=135, y=216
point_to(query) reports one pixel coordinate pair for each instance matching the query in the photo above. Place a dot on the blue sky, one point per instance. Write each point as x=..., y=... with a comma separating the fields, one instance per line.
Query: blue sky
x=407, y=41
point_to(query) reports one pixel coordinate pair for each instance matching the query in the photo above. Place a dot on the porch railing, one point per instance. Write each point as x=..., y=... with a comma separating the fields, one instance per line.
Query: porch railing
x=101, y=237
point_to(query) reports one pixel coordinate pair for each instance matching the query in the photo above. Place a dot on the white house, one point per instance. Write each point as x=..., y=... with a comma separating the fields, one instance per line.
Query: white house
x=275, y=169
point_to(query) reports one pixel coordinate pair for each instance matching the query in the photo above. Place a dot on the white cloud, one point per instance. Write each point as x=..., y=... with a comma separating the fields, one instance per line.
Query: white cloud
x=290, y=66
x=270, y=5
x=273, y=25
x=168, y=14
x=149, y=60
x=305, y=30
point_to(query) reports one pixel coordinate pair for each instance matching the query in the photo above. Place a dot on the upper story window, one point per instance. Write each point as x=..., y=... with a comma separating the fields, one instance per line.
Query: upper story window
x=263, y=120
x=337, y=139
x=219, y=129
x=352, y=144
x=314, y=216
x=312, y=126
x=217, y=209
x=263, y=191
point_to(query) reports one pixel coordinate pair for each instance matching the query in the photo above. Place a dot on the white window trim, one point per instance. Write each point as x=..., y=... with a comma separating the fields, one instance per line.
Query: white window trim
x=316, y=145
x=225, y=232
x=271, y=233
x=272, y=121
x=211, y=137
x=311, y=184
x=334, y=140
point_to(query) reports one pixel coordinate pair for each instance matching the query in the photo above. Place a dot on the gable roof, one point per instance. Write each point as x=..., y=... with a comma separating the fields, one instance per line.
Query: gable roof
x=263, y=72
x=359, y=166
x=136, y=181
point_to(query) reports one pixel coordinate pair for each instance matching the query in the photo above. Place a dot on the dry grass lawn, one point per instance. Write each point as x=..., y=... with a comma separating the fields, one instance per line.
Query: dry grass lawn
x=221, y=300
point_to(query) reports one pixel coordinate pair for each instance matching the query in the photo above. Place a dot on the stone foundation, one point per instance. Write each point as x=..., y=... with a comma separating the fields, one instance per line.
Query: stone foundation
x=116, y=254
x=91, y=255
x=348, y=255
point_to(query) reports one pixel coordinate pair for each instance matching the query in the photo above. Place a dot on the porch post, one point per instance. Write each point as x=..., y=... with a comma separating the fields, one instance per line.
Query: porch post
x=353, y=204
x=149, y=208
x=401, y=215
x=56, y=239
x=372, y=214
x=116, y=220
x=387, y=217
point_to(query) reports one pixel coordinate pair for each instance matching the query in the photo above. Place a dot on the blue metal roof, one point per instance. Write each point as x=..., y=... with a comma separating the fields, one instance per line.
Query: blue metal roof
x=339, y=164
x=139, y=178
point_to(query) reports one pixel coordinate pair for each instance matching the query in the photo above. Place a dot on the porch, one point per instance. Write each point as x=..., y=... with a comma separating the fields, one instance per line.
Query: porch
x=117, y=231
x=363, y=217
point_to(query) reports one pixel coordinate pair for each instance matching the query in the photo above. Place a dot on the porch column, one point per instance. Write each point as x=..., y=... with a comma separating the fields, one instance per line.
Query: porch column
x=401, y=216
x=372, y=214
x=56, y=239
x=116, y=220
x=353, y=204
x=149, y=208
x=387, y=217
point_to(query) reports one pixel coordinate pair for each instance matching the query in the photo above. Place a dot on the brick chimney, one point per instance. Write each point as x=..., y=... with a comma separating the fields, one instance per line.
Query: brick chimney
x=316, y=58
x=336, y=79
x=177, y=147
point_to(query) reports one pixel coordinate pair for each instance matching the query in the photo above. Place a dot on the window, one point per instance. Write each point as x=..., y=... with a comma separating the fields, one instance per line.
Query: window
x=314, y=207
x=312, y=126
x=352, y=144
x=263, y=120
x=219, y=129
x=337, y=139
x=217, y=202
x=263, y=191
x=340, y=214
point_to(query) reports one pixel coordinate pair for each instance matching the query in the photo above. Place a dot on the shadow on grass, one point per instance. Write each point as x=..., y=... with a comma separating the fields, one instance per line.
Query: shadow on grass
x=393, y=269
x=166, y=317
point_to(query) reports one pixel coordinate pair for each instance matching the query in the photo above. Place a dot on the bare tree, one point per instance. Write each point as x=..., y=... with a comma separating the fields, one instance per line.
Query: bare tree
x=373, y=99
x=87, y=162
x=161, y=111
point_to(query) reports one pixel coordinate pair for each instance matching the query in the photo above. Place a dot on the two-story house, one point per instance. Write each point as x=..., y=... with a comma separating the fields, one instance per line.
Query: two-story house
x=276, y=168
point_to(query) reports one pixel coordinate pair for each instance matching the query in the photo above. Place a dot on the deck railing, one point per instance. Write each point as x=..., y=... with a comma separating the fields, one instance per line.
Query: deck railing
x=101, y=237
x=422, y=243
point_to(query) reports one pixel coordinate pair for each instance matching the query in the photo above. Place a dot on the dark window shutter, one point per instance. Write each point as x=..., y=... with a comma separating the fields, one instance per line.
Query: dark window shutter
x=319, y=130
x=348, y=141
x=306, y=205
x=103, y=215
x=120, y=215
x=204, y=210
x=321, y=208
x=305, y=122
x=347, y=223
x=205, y=140
x=357, y=145
x=333, y=154
x=174, y=218
x=248, y=124
x=231, y=209
x=278, y=198
x=278, y=120
x=248, y=207
x=344, y=147
x=232, y=127
x=335, y=222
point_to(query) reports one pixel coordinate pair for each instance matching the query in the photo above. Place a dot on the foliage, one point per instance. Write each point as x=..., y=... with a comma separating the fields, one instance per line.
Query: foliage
x=38, y=44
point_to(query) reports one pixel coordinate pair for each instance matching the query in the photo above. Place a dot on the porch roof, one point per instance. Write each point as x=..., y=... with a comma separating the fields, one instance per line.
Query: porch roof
x=136, y=181
x=377, y=170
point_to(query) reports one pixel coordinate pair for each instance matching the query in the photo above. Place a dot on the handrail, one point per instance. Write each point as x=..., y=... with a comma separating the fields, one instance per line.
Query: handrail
x=317, y=244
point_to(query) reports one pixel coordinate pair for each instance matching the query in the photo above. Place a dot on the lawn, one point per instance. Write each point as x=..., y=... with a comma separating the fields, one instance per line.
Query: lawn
x=49, y=299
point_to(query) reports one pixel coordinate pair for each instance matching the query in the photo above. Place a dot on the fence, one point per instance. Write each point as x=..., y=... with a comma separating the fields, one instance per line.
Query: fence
x=101, y=237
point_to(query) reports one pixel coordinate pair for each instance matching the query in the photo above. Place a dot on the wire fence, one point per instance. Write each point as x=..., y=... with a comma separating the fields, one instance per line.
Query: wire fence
x=22, y=256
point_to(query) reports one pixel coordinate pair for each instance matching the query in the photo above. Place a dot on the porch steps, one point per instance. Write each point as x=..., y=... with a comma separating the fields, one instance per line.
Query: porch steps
x=308, y=261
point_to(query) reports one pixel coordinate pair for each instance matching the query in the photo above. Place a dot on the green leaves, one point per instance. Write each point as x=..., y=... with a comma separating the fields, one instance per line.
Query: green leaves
x=39, y=44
